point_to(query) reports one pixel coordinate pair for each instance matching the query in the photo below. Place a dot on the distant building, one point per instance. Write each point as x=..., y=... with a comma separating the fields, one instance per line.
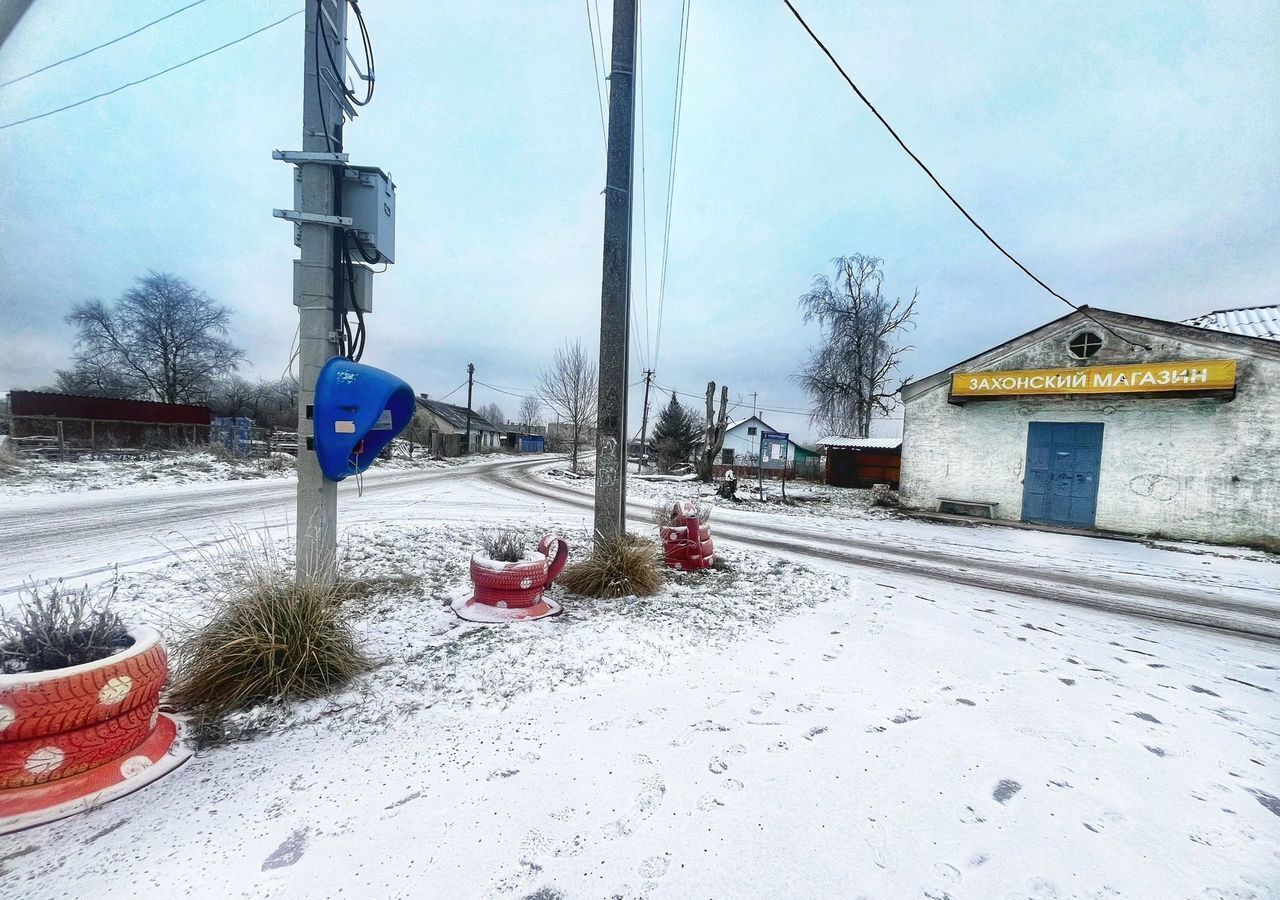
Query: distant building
x=1106, y=420
x=448, y=427
x=862, y=462
x=741, y=450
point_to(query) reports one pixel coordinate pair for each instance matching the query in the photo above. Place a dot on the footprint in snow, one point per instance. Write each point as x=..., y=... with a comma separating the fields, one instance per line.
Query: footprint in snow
x=289, y=851
x=1005, y=790
x=652, y=790
x=654, y=866
x=878, y=845
x=706, y=725
x=815, y=731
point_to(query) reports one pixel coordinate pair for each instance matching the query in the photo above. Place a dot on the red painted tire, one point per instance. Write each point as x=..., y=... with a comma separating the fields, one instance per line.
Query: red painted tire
x=519, y=576
x=65, y=699
x=669, y=534
x=49, y=757
x=508, y=598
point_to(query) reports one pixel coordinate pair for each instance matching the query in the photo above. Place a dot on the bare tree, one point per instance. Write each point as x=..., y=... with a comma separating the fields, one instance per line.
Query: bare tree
x=530, y=412
x=848, y=375
x=716, y=428
x=164, y=335
x=493, y=412
x=569, y=387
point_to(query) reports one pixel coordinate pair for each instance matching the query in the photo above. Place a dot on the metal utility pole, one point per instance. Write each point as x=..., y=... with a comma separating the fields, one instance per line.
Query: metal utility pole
x=644, y=417
x=471, y=378
x=313, y=274
x=615, y=286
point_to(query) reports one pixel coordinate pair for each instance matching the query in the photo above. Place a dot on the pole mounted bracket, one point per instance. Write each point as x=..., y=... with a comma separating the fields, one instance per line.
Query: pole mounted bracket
x=301, y=157
x=312, y=218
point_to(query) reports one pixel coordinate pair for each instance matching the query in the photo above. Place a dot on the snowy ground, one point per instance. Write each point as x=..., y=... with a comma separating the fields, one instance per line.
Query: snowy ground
x=773, y=731
x=859, y=708
x=805, y=499
x=172, y=468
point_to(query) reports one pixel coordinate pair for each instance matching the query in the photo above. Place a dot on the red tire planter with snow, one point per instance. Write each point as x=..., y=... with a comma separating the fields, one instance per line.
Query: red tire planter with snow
x=513, y=591
x=76, y=737
x=687, y=546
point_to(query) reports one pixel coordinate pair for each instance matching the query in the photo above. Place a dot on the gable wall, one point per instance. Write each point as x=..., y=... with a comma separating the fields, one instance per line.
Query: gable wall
x=1190, y=468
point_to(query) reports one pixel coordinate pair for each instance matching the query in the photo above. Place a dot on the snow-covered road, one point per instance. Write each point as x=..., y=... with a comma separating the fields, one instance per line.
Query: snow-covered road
x=87, y=534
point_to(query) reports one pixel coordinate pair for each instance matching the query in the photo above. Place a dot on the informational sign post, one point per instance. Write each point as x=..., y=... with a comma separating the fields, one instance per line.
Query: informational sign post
x=773, y=449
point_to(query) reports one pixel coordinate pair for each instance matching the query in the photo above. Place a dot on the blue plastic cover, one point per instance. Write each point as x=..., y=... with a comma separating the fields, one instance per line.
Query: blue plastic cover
x=358, y=410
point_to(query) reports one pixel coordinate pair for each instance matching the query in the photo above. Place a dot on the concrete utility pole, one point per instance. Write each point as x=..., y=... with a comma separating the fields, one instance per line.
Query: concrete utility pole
x=615, y=287
x=644, y=417
x=313, y=279
x=471, y=378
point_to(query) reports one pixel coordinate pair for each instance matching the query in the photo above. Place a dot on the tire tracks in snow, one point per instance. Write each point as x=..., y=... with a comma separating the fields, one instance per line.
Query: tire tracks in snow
x=1180, y=605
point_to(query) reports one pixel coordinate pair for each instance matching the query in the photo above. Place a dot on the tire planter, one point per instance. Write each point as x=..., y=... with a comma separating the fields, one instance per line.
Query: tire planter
x=687, y=546
x=74, y=738
x=512, y=591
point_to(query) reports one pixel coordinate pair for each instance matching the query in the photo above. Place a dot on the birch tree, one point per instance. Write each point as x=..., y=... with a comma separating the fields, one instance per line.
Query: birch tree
x=851, y=375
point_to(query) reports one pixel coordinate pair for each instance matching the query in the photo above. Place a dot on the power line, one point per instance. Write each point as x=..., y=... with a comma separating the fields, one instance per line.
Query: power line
x=644, y=185
x=115, y=40
x=671, y=174
x=451, y=393
x=934, y=179
x=595, y=69
x=155, y=75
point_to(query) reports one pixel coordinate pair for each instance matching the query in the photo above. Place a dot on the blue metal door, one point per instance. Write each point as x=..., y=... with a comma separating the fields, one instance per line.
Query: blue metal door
x=1061, y=483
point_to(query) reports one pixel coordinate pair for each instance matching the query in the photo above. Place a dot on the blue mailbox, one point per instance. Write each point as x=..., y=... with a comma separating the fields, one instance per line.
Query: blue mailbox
x=358, y=410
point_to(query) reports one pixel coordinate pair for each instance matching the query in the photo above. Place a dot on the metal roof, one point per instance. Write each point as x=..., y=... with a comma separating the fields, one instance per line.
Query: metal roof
x=49, y=404
x=853, y=443
x=457, y=415
x=1250, y=321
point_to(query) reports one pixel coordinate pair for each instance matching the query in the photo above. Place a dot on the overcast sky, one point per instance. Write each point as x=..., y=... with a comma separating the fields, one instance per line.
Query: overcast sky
x=1128, y=152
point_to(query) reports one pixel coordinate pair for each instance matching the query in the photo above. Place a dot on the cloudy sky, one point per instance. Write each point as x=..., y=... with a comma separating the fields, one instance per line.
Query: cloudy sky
x=1129, y=153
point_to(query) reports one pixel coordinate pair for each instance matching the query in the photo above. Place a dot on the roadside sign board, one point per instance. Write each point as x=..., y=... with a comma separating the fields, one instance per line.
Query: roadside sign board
x=773, y=449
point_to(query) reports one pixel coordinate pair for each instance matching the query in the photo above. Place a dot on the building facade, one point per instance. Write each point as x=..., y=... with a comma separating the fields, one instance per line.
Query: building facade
x=1109, y=421
x=448, y=429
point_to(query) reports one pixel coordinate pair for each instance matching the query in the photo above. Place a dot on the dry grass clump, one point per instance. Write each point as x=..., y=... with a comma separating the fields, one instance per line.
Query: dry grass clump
x=664, y=514
x=268, y=639
x=503, y=546
x=10, y=461
x=56, y=627
x=629, y=566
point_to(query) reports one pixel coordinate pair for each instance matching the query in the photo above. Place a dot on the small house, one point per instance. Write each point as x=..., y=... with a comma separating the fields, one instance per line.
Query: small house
x=448, y=428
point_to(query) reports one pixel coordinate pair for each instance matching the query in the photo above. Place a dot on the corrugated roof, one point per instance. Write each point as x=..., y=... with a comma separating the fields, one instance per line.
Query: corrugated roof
x=1250, y=321
x=457, y=415
x=861, y=443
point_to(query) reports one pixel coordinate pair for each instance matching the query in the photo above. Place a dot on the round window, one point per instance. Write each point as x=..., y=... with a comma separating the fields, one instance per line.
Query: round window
x=1084, y=345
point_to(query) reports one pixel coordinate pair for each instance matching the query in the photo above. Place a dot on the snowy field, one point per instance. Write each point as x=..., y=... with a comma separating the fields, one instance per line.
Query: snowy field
x=773, y=730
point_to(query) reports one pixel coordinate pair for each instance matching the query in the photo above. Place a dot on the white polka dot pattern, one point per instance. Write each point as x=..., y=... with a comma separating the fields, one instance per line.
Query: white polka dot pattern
x=115, y=690
x=44, y=760
x=134, y=765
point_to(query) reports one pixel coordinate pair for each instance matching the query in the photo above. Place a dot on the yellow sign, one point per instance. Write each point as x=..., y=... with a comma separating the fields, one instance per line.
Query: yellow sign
x=1141, y=378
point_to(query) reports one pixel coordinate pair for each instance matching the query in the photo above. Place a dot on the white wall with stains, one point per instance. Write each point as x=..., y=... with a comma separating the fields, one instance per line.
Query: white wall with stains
x=1187, y=468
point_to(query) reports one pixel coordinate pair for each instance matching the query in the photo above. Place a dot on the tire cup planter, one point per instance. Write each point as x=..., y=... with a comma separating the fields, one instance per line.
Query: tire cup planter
x=512, y=591
x=687, y=546
x=72, y=739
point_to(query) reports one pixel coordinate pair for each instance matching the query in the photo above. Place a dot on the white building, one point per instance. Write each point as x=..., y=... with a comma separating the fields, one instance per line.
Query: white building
x=1109, y=421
